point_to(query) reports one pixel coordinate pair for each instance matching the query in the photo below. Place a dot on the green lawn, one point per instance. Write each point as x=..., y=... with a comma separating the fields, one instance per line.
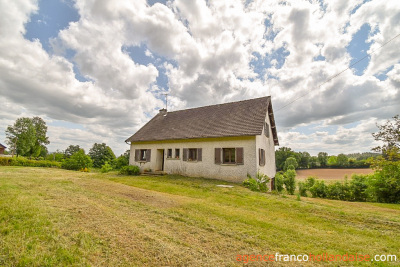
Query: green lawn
x=56, y=217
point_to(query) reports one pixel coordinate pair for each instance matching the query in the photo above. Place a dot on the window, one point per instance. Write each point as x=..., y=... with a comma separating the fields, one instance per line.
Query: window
x=261, y=157
x=177, y=153
x=229, y=155
x=142, y=155
x=192, y=154
x=232, y=156
x=169, y=153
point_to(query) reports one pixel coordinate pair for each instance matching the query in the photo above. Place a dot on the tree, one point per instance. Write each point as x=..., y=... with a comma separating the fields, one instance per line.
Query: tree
x=291, y=161
x=100, y=154
x=323, y=159
x=27, y=137
x=71, y=150
x=281, y=155
x=389, y=134
x=304, y=159
x=313, y=162
x=122, y=160
x=342, y=160
x=78, y=161
x=332, y=161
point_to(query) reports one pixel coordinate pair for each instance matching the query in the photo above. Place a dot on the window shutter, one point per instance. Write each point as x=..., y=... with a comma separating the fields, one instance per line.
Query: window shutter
x=259, y=157
x=148, y=155
x=266, y=130
x=263, y=156
x=137, y=154
x=217, y=156
x=185, y=154
x=239, y=155
x=199, y=154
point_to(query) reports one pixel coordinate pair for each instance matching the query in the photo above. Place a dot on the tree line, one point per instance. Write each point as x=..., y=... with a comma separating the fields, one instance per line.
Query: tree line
x=303, y=160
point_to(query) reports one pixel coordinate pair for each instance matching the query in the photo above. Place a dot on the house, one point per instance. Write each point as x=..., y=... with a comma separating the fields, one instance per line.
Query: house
x=2, y=149
x=225, y=141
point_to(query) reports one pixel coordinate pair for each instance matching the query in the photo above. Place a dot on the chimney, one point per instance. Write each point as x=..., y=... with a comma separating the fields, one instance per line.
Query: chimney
x=163, y=111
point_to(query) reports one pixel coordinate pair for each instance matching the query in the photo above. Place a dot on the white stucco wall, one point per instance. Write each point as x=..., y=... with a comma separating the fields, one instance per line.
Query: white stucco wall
x=206, y=167
x=266, y=143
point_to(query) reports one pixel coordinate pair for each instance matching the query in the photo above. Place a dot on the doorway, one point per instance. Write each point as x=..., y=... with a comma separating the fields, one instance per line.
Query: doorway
x=160, y=160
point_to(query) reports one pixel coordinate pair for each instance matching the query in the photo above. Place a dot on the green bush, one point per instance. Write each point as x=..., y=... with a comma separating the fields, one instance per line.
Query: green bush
x=359, y=187
x=130, y=170
x=279, y=182
x=309, y=182
x=318, y=189
x=290, y=181
x=259, y=183
x=21, y=161
x=106, y=168
x=302, y=189
x=78, y=161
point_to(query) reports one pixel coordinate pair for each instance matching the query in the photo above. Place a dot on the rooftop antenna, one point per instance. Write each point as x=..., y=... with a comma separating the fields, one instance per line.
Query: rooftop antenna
x=166, y=100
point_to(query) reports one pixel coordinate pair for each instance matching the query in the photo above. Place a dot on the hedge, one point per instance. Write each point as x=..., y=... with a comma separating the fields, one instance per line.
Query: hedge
x=21, y=161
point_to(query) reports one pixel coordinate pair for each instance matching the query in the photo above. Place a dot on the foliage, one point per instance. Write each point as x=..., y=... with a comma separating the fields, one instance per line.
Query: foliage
x=323, y=159
x=106, y=168
x=302, y=189
x=78, y=161
x=342, y=160
x=318, y=189
x=385, y=183
x=21, y=161
x=259, y=183
x=71, y=149
x=304, y=161
x=281, y=155
x=130, y=170
x=121, y=161
x=359, y=187
x=310, y=181
x=290, y=161
x=279, y=181
x=100, y=154
x=389, y=133
x=290, y=181
x=332, y=161
x=56, y=156
x=27, y=137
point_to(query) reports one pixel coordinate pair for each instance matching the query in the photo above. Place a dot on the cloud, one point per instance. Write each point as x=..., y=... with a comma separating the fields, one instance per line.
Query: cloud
x=208, y=51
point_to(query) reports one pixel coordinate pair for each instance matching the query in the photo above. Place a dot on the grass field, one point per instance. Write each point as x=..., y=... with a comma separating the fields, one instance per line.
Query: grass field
x=330, y=174
x=51, y=217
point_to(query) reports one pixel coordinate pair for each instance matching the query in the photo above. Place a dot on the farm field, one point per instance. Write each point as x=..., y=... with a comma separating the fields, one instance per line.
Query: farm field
x=54, y=217
x=330, y=174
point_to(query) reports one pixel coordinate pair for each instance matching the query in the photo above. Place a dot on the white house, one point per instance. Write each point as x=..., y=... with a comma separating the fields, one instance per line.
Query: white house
x=226, y=141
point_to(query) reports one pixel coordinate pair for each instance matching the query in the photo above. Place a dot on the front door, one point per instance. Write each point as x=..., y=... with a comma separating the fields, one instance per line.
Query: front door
x=160, y=160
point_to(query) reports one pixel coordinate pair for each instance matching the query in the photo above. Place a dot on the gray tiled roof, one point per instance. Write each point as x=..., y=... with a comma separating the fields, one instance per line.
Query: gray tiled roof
x=242, y=118
x=3, y=146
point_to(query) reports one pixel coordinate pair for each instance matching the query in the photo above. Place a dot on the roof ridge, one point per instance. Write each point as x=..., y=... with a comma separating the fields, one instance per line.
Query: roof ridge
x=220, y=104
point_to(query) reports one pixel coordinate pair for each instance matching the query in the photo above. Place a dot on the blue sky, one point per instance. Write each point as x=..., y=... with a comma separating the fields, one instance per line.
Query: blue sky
x=98, y=70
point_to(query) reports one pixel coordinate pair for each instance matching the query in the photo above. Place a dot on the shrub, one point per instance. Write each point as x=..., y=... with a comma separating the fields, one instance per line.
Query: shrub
x=78, y=161
x=106, y=168
x=318, y=189
x=259, y=183
x=21, y=161
x=310, y=181
x=130, y=170
x=290, y=181
x=302, y=189
x=359, y=187
x=279, y=182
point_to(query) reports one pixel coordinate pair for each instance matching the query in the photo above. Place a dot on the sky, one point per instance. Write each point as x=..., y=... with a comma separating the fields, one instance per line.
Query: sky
x=97, y=70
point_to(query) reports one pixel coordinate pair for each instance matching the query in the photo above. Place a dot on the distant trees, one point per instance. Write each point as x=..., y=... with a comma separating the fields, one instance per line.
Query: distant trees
x=71, y=149
x=323, y=159
x=27, y=137
x=100, y=154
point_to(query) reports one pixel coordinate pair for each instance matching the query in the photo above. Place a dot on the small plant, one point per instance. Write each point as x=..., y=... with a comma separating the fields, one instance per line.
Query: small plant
x=302, y=189
x=106, y=168
x=279, y=182
x=130, y=170
x=259, y=183
x=290, y=181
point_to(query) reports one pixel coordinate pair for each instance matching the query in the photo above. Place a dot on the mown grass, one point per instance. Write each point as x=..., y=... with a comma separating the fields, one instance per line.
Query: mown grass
x=55, y=217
